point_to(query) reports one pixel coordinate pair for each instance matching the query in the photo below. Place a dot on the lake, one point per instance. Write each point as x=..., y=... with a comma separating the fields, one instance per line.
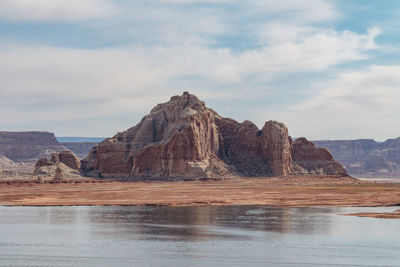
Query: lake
x=196, y=236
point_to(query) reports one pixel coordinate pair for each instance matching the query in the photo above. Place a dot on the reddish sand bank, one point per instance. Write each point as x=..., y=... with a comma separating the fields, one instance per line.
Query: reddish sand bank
x=300, y=191
x=382, y=215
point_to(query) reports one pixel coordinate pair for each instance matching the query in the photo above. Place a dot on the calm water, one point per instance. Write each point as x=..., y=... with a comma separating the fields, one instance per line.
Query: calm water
x=196, y=236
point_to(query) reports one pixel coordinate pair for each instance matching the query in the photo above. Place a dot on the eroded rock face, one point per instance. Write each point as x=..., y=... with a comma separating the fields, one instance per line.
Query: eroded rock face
x=43, y=162
x=177, y=138
x=68, y=158
x=184, y=138
x=316, y=160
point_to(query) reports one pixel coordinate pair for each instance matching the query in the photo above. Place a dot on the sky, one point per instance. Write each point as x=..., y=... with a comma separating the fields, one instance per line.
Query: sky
x=327, y=69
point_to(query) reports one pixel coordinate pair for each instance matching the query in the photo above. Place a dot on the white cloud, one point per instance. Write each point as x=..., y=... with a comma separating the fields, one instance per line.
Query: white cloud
x=46, y=83
x=55, y=10
x=375, y=89
x=173, y=47
x=300, y=10
x=309, y=49
x=355, y=104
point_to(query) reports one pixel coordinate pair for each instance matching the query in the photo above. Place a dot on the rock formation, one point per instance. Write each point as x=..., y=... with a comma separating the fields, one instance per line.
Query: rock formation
x=315, y=160
x=184, y=138
x=366, y=157
x=66, y=160
x=59, y=176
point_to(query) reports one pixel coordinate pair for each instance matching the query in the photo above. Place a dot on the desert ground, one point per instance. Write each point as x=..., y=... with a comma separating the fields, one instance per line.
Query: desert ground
x=292, y=191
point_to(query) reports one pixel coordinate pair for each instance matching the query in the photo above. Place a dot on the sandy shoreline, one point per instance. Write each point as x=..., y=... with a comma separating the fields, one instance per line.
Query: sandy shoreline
x=290, y=192
x=379, y=215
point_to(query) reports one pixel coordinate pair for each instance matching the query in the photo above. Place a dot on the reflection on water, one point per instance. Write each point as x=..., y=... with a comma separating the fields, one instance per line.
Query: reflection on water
x=223, y=236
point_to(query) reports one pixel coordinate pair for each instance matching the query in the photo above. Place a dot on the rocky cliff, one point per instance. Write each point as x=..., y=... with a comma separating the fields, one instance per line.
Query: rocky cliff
x=366, y=157
x=28, y=146
x=184, y=138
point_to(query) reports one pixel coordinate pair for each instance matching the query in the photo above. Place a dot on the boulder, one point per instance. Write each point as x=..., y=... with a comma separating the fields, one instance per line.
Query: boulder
x=184, y=138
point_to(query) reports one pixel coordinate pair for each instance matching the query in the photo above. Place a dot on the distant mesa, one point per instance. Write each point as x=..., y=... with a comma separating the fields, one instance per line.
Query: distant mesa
x=366, y=157
x=81, y=149
x=79, y=139
x=184, y=138
x=28, y=146
x=20, y=150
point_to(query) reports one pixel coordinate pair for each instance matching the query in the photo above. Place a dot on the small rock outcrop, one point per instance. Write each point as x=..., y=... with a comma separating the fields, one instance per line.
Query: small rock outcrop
x=184, y=138
x=42, y=163
x=66, y=160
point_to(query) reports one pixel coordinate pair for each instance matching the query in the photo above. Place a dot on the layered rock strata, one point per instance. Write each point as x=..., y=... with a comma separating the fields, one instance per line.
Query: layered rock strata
x=28, y=146
x=184, y=138
x=68, y=158
x=366, y=157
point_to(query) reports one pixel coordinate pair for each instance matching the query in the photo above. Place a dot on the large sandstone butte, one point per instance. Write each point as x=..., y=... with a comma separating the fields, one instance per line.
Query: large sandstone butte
x=184, y=138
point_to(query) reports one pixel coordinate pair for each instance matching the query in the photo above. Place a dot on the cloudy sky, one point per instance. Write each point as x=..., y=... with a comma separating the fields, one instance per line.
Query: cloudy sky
x=327, y=69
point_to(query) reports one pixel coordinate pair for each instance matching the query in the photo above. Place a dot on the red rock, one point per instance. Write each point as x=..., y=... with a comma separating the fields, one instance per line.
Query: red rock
x=277, y=147
x=314, y=160
x=184, y=138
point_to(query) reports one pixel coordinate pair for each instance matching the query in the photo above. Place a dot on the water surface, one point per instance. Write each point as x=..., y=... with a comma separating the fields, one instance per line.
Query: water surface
x=196, y=236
